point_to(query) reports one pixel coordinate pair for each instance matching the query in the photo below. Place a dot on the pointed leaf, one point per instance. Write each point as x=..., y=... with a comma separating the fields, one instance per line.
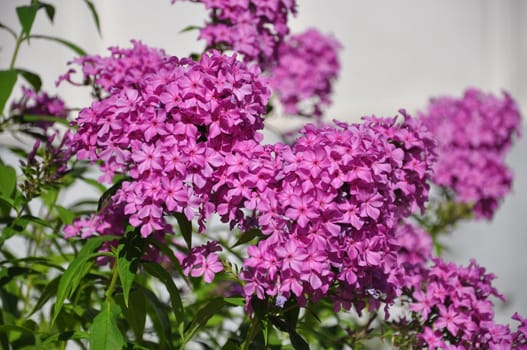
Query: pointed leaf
x=298, y=342
x=126, y=270
x=7, y=82
x=160, y=273
x=109, y=193
x=158, y=315
x=105, y=333
x=49, y=292
x=63, y=336
x=248, y=236
x=296, y=339
x=189, y=28
x=35, y=220
x=7, y=180
x=64, y=42
x=26, y=17
x=186, y=228
x=203, y=316
x=50, y=10
x=237, y=301
x=31, y=78
x=65, y=215
x=165, y=249
x=75, y=272
x=94, y=14
x=136, y=313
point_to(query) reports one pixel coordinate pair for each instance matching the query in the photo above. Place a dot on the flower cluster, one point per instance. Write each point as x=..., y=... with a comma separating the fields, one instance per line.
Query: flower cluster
x=253, y=28
x=170, y=133
x=203, y=261
x=454, y=308
x=474, y=133
x=46, y=166
x=328, y=209
x=304, y=73
x=415, y=251
x=122, y=69
x=35, y=103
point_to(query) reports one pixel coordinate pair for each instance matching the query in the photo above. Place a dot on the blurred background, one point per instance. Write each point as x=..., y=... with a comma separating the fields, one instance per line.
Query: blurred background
x=396, y=54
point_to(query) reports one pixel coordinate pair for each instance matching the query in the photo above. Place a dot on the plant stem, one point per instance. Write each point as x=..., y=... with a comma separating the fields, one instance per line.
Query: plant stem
x=251, y=333
x=111, y=287
x=17, y=47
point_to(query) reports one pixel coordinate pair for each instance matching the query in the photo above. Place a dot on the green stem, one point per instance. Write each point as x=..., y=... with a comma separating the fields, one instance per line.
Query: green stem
x=251, y=333
x=17, y=47
x=115, y=274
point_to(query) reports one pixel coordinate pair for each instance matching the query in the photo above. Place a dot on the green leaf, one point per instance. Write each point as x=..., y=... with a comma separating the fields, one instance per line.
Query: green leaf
x=189, y=28
x=7, y=180
x=8, y=328
x=186, y=228
x=298, y=342
x=105, y=333
x=18, y=226
x=126, y=268
x=65, y=215
x=136, y=314
x=202, y=317
x=160, y=273
x=7, y=82
x=47, y=118
x=6, y=204
x=4, y=341
x=34, y=260
x=31, y=78
x=6, y=275
x=165, y=249
x=158, y=315
x=296, y=339
x=94, y=14
x=36, y=220
x=237, y=301
x=26, y=17
x=64, y=42
x=47, y=293
x=63, y=336
x=248, y=236
x=291, y=315
x=50, y=10
x=109, y=193
x=75, y=272
x=8, y=29
x=49, y=196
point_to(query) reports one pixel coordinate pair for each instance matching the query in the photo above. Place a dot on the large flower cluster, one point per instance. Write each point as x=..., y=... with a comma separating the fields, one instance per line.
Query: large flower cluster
x=474, y=133
x=328, y=209
x=170, y=132
x=253, y=28
x=306, y=68
x=456, y=313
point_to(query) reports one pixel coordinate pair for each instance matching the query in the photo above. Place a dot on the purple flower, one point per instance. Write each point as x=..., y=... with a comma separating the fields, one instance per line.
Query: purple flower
x=39, y=103
x=303, y=76
x=202, y=261
x=253, y=28
x=474, y=134
x=455, y=302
